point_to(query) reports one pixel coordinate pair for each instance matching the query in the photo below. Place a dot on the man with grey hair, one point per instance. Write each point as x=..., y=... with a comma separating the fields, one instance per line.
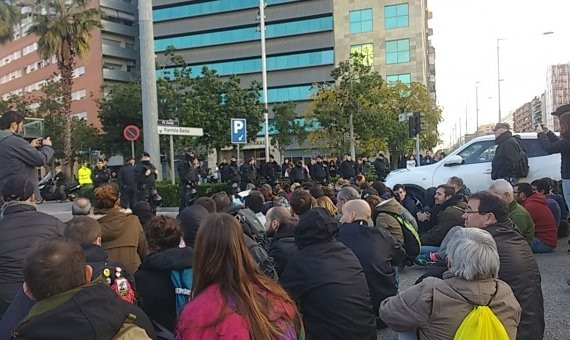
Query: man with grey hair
x=346, y=194
x=471, y=280
x=517, y=213
x=81, y=207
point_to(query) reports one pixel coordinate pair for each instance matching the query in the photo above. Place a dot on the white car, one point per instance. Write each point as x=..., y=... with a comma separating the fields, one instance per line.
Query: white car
x=472, y=163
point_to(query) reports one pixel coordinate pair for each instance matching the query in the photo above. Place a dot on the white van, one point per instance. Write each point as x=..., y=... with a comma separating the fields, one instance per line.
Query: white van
x=472, y=163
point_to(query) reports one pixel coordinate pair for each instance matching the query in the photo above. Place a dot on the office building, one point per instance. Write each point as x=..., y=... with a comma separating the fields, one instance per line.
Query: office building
x=305, y=40
x=113, y=57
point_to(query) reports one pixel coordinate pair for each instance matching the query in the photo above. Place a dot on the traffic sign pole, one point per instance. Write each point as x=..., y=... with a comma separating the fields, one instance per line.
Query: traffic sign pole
x=133, y=149
x=237, y=154
x=172, y=179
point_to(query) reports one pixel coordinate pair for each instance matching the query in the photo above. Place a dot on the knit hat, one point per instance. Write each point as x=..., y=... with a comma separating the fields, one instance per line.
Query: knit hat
x=17, y=188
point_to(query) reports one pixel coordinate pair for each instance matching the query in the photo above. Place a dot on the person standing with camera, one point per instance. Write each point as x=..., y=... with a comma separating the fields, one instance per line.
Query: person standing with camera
x=17, y=156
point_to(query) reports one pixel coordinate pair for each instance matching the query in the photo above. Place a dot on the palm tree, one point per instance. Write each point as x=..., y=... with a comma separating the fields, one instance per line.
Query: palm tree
x=64, y=29
x=9, y=18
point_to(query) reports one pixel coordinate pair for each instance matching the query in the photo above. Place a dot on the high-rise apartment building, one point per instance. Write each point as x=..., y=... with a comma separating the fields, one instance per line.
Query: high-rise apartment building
x=557, y=92
x=113, y=57
x=523, y=118
x=305, y=40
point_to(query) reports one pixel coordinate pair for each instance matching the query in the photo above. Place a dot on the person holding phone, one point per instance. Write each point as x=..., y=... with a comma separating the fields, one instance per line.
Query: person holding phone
x=17, y=156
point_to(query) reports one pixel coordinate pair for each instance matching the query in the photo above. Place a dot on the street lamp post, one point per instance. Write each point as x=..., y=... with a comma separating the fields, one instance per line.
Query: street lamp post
x=499, y=76
x=476, y=106
x=264, y=75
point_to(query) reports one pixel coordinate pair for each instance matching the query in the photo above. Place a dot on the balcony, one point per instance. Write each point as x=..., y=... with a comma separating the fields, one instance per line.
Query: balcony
x=119, y=52
x=116, y=75
x=116, y=28
x=120, y=5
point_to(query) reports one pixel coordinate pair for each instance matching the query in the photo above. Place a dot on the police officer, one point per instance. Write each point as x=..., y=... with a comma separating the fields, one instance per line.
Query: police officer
x=230, y=173
x=248, y=173
x=271, y=170
x=320, y=171
x=188, y=170
x=146, y=175
x=128, y=184
x=101, y=174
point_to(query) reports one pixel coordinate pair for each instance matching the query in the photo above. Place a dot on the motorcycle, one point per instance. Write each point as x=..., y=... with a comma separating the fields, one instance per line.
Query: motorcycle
x=49, y=190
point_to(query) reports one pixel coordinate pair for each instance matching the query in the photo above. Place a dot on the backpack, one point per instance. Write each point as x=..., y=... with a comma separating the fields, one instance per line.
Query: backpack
x=130, y=331
x=251, y=225
x=521, y=168
x=182, y=281
x=412, y=242
x=481, y=323
x=116, y=278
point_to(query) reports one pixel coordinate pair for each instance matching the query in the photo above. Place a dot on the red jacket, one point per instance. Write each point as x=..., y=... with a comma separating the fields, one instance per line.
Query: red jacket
x=205, y=308
x=545, y=225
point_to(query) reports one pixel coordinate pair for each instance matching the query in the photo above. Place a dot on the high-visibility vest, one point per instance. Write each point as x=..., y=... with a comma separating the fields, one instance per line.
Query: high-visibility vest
x=84, y=176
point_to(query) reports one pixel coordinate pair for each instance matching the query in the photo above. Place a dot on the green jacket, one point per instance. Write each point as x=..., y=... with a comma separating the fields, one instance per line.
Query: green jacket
x=522, y=220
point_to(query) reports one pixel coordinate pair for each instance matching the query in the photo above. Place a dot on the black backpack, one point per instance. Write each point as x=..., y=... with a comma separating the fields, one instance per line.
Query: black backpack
x=521, y=167
x=412, y=242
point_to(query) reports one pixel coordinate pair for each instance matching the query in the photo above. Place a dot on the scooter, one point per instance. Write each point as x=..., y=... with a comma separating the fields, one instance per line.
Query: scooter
x=49, y=191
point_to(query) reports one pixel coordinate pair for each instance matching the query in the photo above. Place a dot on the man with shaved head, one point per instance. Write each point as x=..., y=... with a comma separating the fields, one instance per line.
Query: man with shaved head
x=374, y=247
x=280, y=226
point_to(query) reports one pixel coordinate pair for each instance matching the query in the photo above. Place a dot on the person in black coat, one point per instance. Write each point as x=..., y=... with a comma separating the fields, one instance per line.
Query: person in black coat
x=189, y=176
x=248, y=173
x=320, y=172
x=299, y=174
x=271, y=170
x=128, y=184
x=405, y=200
x=382, y=167
x=507, y=155
x=348, y=168
x=376, y=250
x=146, y=175
x=328, y=282
x=155, y=287
x=281, y=228
x=101, y=174
x=230, y=172
x=552, y=144
x=21, y=226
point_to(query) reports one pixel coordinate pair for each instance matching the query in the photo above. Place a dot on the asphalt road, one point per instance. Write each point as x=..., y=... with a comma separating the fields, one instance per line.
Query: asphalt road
x=554, y=268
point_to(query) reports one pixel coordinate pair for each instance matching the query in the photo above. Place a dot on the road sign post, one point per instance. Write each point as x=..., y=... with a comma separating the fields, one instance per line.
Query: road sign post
x=238, y=133
x=170, y=127
x=132, y=133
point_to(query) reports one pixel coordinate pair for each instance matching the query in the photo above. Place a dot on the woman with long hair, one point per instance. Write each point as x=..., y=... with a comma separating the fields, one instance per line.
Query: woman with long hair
x=552, y=144
x=327, y=203
x=231, y=298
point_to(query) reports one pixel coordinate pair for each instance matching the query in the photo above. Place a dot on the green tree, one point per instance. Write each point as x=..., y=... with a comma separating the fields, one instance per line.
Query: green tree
x=10, y=16
x=64, y=29
x=288, y=128
x=121, y=106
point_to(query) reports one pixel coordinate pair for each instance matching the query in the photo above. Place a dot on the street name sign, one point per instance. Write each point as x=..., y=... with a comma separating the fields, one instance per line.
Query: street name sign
x=180, y=131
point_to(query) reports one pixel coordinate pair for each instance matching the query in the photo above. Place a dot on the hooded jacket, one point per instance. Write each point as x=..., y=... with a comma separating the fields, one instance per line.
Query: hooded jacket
x=450, y=215
x=190, y=219
x=545, y=226
x=20, y=227
x=385, y=219
x=122, y=237
x=90, y=312
x=438, y=307
x=154, y=284
x=552, y=144
x=18, y=157
x=377, y=252
x=520, y=271
x=283, y=246
x=522, y=220
x=507, y=155
x=328, y=282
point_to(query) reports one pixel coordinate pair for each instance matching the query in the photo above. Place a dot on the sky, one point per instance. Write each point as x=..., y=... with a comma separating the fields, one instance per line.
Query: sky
x=465, y=38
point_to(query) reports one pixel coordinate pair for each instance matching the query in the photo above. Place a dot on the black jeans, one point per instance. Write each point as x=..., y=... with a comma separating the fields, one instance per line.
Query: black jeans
x=128, y=197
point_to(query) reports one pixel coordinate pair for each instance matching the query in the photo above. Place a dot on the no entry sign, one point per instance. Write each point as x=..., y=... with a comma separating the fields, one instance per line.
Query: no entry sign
x=131, y=133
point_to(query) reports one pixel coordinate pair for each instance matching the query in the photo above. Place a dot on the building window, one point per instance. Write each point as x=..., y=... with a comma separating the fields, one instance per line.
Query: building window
x=367, y=50
x=398, y=51
x=396, y=16
x=282, y=62
x=251, y=33
x=405, y=78
x=30, y=48
x=361, y=21
x=80, y=116
x=78, y=95
x=292, y=93
x=207, y=7
x=78, y=72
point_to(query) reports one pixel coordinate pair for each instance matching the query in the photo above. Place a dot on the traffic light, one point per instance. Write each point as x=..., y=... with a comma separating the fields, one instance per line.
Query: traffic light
x=412, y=126
x=421, y=124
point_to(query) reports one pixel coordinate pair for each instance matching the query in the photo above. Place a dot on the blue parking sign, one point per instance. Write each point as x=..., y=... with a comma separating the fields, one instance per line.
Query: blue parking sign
x=238, y=131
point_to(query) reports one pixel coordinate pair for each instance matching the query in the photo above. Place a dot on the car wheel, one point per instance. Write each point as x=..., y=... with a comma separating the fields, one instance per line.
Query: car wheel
x=39, y=200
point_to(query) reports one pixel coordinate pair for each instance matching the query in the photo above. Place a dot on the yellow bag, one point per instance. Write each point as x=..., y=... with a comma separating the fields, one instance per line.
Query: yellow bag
x=481, y=324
